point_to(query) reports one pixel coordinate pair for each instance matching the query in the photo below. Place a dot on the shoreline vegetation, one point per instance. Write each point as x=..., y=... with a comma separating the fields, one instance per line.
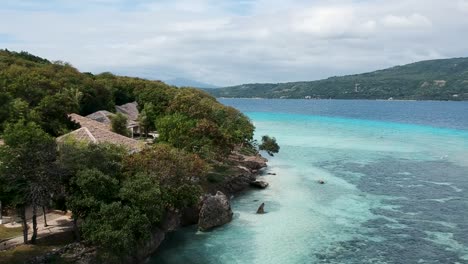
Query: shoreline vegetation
x=438, y=80
x=124, y=190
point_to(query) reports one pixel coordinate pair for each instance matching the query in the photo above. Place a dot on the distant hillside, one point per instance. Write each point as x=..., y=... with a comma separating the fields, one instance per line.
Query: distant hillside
x=182, y=82
x=445, y=79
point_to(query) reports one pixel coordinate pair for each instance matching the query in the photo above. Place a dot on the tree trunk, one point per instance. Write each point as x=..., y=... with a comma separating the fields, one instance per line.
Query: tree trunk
x=34, y=221
x=76, y=231
x=1, y=216
x=25, y=224
x=45, y=217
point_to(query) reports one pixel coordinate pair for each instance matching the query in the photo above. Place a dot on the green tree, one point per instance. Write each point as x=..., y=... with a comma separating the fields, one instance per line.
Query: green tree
x=53, y=111
x=156, y=93
x=119, y=124
x=148, y=117
x=176, y=129
x=75, y=158
x=27, y=166
x=269, y=145
x=176, y=172
x=117, y=229
x=142, y=192
x=5, y=109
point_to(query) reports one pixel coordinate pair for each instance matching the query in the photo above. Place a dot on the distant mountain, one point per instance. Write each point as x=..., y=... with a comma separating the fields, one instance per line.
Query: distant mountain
x=182, y=82
x=445, y=79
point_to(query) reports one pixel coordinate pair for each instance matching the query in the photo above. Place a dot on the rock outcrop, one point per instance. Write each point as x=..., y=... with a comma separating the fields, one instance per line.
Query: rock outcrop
x=259, y=184
x=189, y=216
x=215, y=211
x=236, y=183
x=261, y=209
x=71, y=253
x=254, y=162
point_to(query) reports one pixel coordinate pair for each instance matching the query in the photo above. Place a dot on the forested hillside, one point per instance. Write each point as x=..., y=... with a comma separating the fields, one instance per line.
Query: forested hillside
x=117, y=197
x=35, y=89
x=427, y=80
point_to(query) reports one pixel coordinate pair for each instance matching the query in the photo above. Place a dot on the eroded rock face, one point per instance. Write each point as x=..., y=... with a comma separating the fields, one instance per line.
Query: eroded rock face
x=237, y=183
x=215, y=211
x=189, y=216
x=259, y=184
x=254, y=162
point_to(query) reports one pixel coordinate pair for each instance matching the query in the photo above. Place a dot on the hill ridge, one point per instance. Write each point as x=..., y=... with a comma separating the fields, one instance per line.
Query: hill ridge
x=439, y=79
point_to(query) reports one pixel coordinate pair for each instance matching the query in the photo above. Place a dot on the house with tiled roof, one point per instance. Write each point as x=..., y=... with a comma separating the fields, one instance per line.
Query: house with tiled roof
x=130, y=110
x=95, y=132
x=102, y=116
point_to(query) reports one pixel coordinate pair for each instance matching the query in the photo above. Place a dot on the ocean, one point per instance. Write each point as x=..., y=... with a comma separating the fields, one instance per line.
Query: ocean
x=396, y=188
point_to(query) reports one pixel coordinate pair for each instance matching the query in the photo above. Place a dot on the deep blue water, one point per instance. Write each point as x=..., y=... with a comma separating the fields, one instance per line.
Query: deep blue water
x=396, y=187
x=431, y=113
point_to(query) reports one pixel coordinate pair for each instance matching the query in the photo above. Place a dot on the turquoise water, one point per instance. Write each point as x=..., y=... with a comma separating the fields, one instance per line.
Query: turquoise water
x=395, y=192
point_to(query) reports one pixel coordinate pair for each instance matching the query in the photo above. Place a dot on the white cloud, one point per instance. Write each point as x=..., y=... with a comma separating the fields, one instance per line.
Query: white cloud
x=463, y=5
x=411, y=21
x=229, y=42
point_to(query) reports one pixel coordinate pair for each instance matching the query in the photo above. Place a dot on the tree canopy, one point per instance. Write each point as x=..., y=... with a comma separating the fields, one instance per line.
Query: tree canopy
x=44, y=92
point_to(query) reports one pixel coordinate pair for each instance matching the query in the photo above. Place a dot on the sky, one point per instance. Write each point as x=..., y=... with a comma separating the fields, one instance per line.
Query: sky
x=229, y=42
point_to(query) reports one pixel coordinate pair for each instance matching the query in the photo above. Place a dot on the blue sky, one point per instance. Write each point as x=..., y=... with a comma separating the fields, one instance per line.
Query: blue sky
x=227, y=42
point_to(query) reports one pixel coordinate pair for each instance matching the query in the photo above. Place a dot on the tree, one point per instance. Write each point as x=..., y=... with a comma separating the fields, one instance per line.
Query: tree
x=269, y=145
x=77, y=160
x=27, y=165
x=148, y=117
x=175, y=129
x=5, y=102
x=117, y=229
x=119, y=124
x=176, y=172
x=53, y=111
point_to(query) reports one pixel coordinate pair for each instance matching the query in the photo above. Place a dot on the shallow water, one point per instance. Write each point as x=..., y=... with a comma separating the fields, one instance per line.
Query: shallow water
x=395, y=192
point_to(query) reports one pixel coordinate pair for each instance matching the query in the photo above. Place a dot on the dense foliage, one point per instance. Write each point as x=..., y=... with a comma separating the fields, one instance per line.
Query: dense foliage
x=428, y=80
x=38, y=90
x=28, y=169
x=120, y=197
x=119, y=124
x=117, y=198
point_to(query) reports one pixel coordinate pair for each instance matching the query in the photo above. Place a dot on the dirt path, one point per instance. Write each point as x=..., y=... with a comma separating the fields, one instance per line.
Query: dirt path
x=57, y=223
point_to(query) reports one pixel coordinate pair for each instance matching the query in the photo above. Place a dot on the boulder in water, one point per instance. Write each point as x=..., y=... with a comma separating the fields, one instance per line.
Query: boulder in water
x=259, y=184
x=215, y=211
x=261, y=209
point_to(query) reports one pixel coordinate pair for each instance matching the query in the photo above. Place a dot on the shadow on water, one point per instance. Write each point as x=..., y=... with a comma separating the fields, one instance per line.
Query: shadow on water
x=423, y=217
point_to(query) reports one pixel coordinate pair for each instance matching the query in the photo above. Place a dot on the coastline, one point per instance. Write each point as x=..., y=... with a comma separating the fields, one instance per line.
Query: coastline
x=341, y=99
x=246, y=170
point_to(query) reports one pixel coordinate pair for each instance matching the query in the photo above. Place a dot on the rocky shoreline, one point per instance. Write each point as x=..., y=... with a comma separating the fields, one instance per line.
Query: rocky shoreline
x=213, y=210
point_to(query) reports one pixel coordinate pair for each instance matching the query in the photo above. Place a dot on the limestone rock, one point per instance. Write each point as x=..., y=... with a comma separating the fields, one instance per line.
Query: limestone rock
x=215, y=211
x=259, y=184
x=254, y=162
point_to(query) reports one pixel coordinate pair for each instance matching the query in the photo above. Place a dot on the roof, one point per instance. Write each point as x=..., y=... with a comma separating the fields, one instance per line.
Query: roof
x=94, y=132
x=130, y=110
x=102, y=116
